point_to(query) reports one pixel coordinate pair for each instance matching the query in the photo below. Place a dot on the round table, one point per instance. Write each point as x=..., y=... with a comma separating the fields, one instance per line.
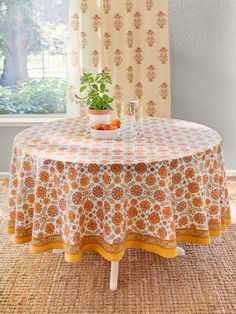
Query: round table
x=71, y=192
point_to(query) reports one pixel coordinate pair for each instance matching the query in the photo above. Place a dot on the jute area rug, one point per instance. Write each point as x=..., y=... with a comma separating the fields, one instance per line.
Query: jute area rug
x=204, y=281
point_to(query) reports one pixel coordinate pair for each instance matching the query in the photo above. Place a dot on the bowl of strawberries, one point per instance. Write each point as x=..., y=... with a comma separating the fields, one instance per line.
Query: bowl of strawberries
x=107, y=131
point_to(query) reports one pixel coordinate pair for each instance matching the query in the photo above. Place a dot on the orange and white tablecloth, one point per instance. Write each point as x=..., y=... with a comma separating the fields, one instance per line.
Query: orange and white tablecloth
x=70, y=191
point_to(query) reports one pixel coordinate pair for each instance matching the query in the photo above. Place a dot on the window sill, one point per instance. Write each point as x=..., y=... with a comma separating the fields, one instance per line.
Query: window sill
x=28, y=120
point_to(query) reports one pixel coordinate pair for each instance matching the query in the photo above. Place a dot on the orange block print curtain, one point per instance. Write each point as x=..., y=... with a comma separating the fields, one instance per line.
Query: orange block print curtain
x=129, y=39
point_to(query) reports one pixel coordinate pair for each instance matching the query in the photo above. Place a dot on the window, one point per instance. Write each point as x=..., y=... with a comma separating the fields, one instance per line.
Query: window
x=33, y=36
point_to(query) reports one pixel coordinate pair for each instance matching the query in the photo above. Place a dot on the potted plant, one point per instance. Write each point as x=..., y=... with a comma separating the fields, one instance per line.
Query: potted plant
x=97, y=99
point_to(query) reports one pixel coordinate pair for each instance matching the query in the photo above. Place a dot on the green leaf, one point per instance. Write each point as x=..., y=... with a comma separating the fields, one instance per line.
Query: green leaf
x=102, y=87
x=95, y=86
x=108, y=107
x=83, y=88
x=105, y=98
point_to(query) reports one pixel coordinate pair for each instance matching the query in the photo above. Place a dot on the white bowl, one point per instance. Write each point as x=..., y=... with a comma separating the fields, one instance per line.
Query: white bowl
x=105, y=134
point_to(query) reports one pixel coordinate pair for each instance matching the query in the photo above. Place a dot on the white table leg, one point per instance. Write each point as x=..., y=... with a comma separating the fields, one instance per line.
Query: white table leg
x=180, y=251
x=114, y=275
x=58, y=251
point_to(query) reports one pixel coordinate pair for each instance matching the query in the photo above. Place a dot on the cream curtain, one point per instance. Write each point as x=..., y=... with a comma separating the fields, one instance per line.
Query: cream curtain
x=129, y=39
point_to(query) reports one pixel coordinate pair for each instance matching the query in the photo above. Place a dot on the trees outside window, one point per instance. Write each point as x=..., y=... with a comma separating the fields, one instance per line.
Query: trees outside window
x=33, y=56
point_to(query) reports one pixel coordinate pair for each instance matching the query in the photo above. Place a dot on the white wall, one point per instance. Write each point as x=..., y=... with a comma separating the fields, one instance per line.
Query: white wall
x=7, y=135
x=203, y=66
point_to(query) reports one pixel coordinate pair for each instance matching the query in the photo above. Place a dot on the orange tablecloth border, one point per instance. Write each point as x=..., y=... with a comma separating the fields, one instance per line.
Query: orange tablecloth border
x=163, y=252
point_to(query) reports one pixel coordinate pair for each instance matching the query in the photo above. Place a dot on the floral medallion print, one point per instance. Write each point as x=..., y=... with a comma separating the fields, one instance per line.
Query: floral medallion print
x=96, y=22
x=95, y=58
x=164, y=90
x=161, y=19
x=75, y=22
x=129, y=5
x=150, y=39
x=151, y=73
x=133, y=52
x=84, y=6
x=118, y=57
x=118, y=92
x=106, y=6
x=71, y=93
x=107, y=40
x=130, y=74
x=74, y=58
x=106, y=70
x=129, y=39
x=138, y=55
x=151, y=108
x=137, y=20
x=67, y=189
x=119, y=108
x=149, y=4
x=139, y=90
x=117, y=22
x=163, y=55
x=84, y=39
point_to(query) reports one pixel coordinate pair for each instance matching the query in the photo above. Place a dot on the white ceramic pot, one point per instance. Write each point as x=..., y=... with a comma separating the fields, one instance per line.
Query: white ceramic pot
x=99, y=116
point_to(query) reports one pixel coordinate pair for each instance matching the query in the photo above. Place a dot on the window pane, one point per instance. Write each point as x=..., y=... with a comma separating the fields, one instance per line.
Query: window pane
x=33, y=35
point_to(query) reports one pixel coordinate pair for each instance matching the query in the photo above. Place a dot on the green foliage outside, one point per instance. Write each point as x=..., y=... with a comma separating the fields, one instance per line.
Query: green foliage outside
x=43, y=32
x=28, y=33
x=40, y=96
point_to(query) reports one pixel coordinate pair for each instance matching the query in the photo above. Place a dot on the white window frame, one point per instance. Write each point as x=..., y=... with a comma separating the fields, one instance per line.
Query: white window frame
x=27, y=120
